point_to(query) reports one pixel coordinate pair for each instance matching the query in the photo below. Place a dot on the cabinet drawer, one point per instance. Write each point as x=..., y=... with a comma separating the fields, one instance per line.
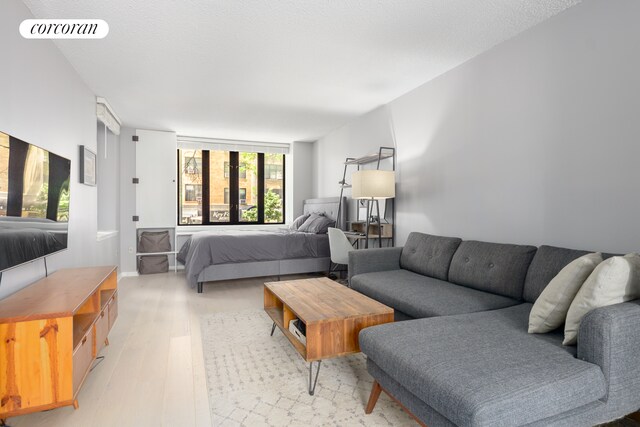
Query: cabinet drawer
x=82, y=359
x=113, y=310
x=102, y=330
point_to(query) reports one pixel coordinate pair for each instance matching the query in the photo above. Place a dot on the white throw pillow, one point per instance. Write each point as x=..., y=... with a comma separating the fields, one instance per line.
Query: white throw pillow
x=614, y=281
x=550, y=309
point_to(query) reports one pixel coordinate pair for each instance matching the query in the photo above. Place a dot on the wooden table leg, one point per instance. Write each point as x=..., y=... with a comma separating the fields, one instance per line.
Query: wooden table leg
x=373, y=397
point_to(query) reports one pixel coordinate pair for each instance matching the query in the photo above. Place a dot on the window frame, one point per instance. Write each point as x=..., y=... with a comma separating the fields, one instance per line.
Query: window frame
x=234, y=191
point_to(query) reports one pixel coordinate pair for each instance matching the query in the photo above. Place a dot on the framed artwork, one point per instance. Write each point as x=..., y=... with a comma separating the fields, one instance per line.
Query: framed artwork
x=87, y=166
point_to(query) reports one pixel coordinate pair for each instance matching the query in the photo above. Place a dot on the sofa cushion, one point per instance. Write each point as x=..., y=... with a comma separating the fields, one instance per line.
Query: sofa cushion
x=429, y=255
x=492, y=267
x=484, y=369
x=421, y=296
x=417, y=407
x=546, y=265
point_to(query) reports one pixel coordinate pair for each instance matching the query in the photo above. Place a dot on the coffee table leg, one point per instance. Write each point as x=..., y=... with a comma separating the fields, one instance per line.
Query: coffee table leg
x=312, y=383
x=273, y=328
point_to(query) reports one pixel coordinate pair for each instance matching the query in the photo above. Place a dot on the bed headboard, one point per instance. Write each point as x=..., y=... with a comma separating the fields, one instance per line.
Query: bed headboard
x=329, y=207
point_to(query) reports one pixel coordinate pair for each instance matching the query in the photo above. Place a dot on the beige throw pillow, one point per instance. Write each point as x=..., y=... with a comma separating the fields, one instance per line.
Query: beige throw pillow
x=550, y=309
x=614, y=281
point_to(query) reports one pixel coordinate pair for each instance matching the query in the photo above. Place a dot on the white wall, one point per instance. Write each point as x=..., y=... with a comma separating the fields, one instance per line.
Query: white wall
x=301, y=178
x=298, y=186
x=535, y=141
x=108, y=177
x=45, y=102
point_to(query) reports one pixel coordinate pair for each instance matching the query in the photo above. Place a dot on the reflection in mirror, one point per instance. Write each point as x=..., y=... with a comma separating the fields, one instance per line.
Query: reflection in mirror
x=34, y=202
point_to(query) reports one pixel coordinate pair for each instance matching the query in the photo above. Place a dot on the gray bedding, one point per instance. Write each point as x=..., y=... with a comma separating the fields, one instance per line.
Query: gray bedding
x=235, y=246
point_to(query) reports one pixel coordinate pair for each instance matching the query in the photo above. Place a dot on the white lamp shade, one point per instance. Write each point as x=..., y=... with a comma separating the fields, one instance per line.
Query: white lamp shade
x=373, y=184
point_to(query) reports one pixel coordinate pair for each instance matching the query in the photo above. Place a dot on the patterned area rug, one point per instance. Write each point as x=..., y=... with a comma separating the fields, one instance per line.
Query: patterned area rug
x=258, y=380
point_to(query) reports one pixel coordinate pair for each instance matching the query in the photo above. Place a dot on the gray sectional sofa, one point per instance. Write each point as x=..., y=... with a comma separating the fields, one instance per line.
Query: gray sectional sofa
x=464, y=356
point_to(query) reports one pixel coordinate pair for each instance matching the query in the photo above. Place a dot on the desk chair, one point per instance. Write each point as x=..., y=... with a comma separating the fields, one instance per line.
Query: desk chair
x=339, y=246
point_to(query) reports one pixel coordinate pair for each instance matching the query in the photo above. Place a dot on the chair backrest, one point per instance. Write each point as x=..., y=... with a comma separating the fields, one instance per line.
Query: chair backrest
x=339, y=246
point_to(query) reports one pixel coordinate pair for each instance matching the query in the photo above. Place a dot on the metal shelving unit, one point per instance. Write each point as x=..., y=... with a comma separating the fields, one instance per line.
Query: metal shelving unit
x=172, y=237
x=383, y=153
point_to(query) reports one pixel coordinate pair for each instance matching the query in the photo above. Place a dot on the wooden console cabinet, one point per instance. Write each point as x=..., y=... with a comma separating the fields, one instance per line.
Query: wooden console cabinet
x=50, y=334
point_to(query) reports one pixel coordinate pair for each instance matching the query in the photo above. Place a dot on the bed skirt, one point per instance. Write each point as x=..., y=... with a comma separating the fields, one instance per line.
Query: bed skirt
x=244, y=270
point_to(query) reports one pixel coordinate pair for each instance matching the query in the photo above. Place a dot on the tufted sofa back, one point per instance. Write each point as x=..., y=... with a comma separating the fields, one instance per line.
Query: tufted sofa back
x=548, y=262
x=492, y=267
x=429, y=255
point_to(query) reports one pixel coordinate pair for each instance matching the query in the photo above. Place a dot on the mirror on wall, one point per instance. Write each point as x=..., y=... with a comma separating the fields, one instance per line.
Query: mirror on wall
x=34, y=202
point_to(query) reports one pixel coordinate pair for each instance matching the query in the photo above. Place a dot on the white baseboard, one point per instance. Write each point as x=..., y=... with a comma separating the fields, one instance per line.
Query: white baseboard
x=129, y=274
x=136, y=274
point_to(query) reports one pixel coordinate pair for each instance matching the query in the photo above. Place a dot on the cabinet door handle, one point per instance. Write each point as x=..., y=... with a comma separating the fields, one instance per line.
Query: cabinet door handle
x=84, y=340
x=102, y=314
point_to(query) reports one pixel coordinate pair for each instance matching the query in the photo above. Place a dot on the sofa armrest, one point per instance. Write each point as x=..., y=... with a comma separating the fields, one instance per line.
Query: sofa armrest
x=610, y=337
x=373, y=260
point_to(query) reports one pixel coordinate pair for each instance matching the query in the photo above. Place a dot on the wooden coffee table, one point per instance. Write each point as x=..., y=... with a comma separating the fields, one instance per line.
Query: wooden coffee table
x=332, y=313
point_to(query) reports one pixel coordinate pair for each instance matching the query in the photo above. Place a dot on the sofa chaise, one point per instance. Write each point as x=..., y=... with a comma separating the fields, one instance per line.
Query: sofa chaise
x=464, y=357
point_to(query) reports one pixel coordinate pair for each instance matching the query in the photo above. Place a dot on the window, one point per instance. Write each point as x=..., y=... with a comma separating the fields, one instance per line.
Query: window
x=193, y=165
x=230, y=187
x=243, y=172
x=274, y=186
x=192, y=192
x=243, y=195
x=273, y=171
x=190, y=173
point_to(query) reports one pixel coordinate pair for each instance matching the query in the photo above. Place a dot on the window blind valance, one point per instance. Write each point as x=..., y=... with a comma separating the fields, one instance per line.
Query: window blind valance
x=212, y=144
x=107, y=116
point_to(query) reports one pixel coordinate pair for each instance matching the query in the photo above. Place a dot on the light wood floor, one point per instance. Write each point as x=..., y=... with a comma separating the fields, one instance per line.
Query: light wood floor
x=153, y=371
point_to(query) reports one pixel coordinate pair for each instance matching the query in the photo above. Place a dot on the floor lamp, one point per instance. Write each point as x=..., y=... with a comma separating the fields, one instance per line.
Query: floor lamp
x=373, y=186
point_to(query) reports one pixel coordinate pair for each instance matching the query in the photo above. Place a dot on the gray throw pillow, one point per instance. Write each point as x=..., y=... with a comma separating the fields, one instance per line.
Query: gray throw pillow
x=298, y=221
x=317, y=224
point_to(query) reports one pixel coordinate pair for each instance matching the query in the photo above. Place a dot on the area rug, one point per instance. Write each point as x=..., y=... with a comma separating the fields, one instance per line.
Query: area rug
x=254, y=379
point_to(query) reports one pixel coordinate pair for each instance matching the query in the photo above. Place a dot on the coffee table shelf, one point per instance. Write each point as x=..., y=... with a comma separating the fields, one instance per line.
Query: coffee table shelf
x=277, y=315
x=333, y=315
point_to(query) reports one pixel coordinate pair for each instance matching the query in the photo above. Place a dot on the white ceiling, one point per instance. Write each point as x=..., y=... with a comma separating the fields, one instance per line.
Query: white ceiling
x=277, y=70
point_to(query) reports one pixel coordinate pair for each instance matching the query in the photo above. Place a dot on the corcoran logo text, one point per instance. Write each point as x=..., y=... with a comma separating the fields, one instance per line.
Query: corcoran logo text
x=64, y=29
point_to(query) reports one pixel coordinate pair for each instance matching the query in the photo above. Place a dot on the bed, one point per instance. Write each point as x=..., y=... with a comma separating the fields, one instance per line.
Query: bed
x=224, y=254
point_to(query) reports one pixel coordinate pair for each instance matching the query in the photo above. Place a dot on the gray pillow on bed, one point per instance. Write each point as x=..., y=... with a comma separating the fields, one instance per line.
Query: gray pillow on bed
x=316, y=223
x=298, y=222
